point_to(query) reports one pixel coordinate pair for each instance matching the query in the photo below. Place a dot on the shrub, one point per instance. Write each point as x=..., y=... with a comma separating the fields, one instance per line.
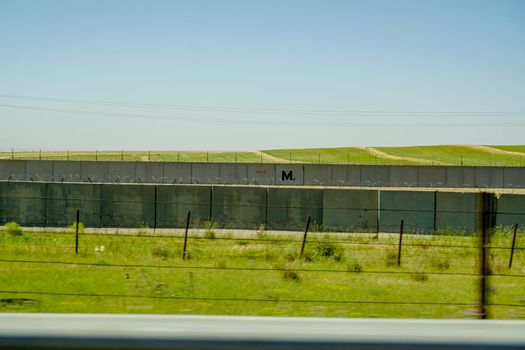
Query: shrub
x=160, y=252
x=13, y=228
x=355, y=267
x=391, y=259
x=291, y=275
x=441, y=264
x=419, y=277
x=329, y=250
x=209, y=229
x=261, y=231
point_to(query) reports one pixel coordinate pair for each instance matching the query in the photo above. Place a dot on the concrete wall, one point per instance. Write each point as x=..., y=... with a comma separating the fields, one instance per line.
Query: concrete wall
x=457, y=210
x=288, y=208
x=127, y=206
x=263, y=174
x=23, y=202
x=174, y=202
x=250, y=207
x=63, y=200
x=350, y=210
x=511, y=210
x=239, y=207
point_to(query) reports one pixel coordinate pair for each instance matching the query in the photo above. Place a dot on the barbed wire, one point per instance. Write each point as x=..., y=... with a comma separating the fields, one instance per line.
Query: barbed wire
x=313, y=240
x=272, y=269
x=348, y=157
x=248, y=299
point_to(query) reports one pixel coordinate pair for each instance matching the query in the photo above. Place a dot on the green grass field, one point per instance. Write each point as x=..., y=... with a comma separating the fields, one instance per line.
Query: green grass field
x=256, y=274
x=422, y=155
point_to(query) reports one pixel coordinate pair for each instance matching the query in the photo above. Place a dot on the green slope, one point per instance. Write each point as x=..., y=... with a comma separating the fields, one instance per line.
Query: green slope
x=417, y=155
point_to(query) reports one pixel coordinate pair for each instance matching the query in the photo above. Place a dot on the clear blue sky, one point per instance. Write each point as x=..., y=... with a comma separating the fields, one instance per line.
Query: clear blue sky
x=260, y=74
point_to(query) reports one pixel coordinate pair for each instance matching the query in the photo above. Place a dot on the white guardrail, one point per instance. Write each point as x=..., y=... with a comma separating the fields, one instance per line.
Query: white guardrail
x=83, y=331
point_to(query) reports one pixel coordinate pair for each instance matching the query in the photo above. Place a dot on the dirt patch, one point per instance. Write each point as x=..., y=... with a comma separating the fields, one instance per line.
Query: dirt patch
x=271, y=159
x=381, y=154
x=493, y=150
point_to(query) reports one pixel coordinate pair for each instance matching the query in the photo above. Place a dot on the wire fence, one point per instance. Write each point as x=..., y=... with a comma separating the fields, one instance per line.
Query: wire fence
x=484, y=251
x=360, y=156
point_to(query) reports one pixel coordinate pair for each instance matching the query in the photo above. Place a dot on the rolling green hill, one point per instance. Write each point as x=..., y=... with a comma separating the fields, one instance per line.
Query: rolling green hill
x=414, y=155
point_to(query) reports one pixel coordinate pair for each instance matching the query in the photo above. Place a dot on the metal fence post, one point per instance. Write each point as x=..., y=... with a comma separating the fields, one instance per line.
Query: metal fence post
x=305, y=234
x=186, y=236
x=401, y=227
x=513, y=245
x=483, y=256
x=76, y=231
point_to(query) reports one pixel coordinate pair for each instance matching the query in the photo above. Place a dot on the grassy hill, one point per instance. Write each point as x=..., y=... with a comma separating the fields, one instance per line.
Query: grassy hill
x=414, y=155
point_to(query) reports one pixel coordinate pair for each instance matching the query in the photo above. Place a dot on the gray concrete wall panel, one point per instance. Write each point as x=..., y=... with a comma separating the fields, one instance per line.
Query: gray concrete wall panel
x=432, y=176
x=403, y=176
x=122, y=172
x=318, y=175
x=239, y=207
x=66, y=171
x=489, y=177
x=261, y=174
x=63, y=200
x=288, y=208
x=233, y=174
x=353, y=175
x=152, y=172
x=414, y=207
x=511, y=210
x=23, y=202
x=289, y=174
x=127, y=206
x=350, y=210
x=458, y=211
x=94, y=172
x=174, y=202
x=13, y=170
x=375, y=175
x=40, y=170
x=461, y=176
x=206, y=173
x=514, y=177
x=177, y=173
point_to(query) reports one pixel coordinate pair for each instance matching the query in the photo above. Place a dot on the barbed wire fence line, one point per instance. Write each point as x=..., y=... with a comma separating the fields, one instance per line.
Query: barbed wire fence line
x=305, y=157
x=484, y=246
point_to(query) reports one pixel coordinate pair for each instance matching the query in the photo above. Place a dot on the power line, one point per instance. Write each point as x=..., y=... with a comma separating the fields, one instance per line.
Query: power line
x=265, y=122
x=204, y=108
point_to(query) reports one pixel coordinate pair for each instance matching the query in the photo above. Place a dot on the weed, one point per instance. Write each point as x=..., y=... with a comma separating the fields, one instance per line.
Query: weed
x=260, y=231
x=73, y=227
x=291, y=275
x=160, y=253
x=13, y=229
x=354, y=267
x=328, y=250
x=441, y=264
x=209, y=229
x=391, y=259
x=221, y=264
x=419, y=277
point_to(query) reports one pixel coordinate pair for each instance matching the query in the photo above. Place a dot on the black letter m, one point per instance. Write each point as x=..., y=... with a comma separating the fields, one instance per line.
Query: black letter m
x=286, y=176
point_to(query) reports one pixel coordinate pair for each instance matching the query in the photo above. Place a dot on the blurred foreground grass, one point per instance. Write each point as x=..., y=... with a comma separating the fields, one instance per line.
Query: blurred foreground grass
x=258, y=273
